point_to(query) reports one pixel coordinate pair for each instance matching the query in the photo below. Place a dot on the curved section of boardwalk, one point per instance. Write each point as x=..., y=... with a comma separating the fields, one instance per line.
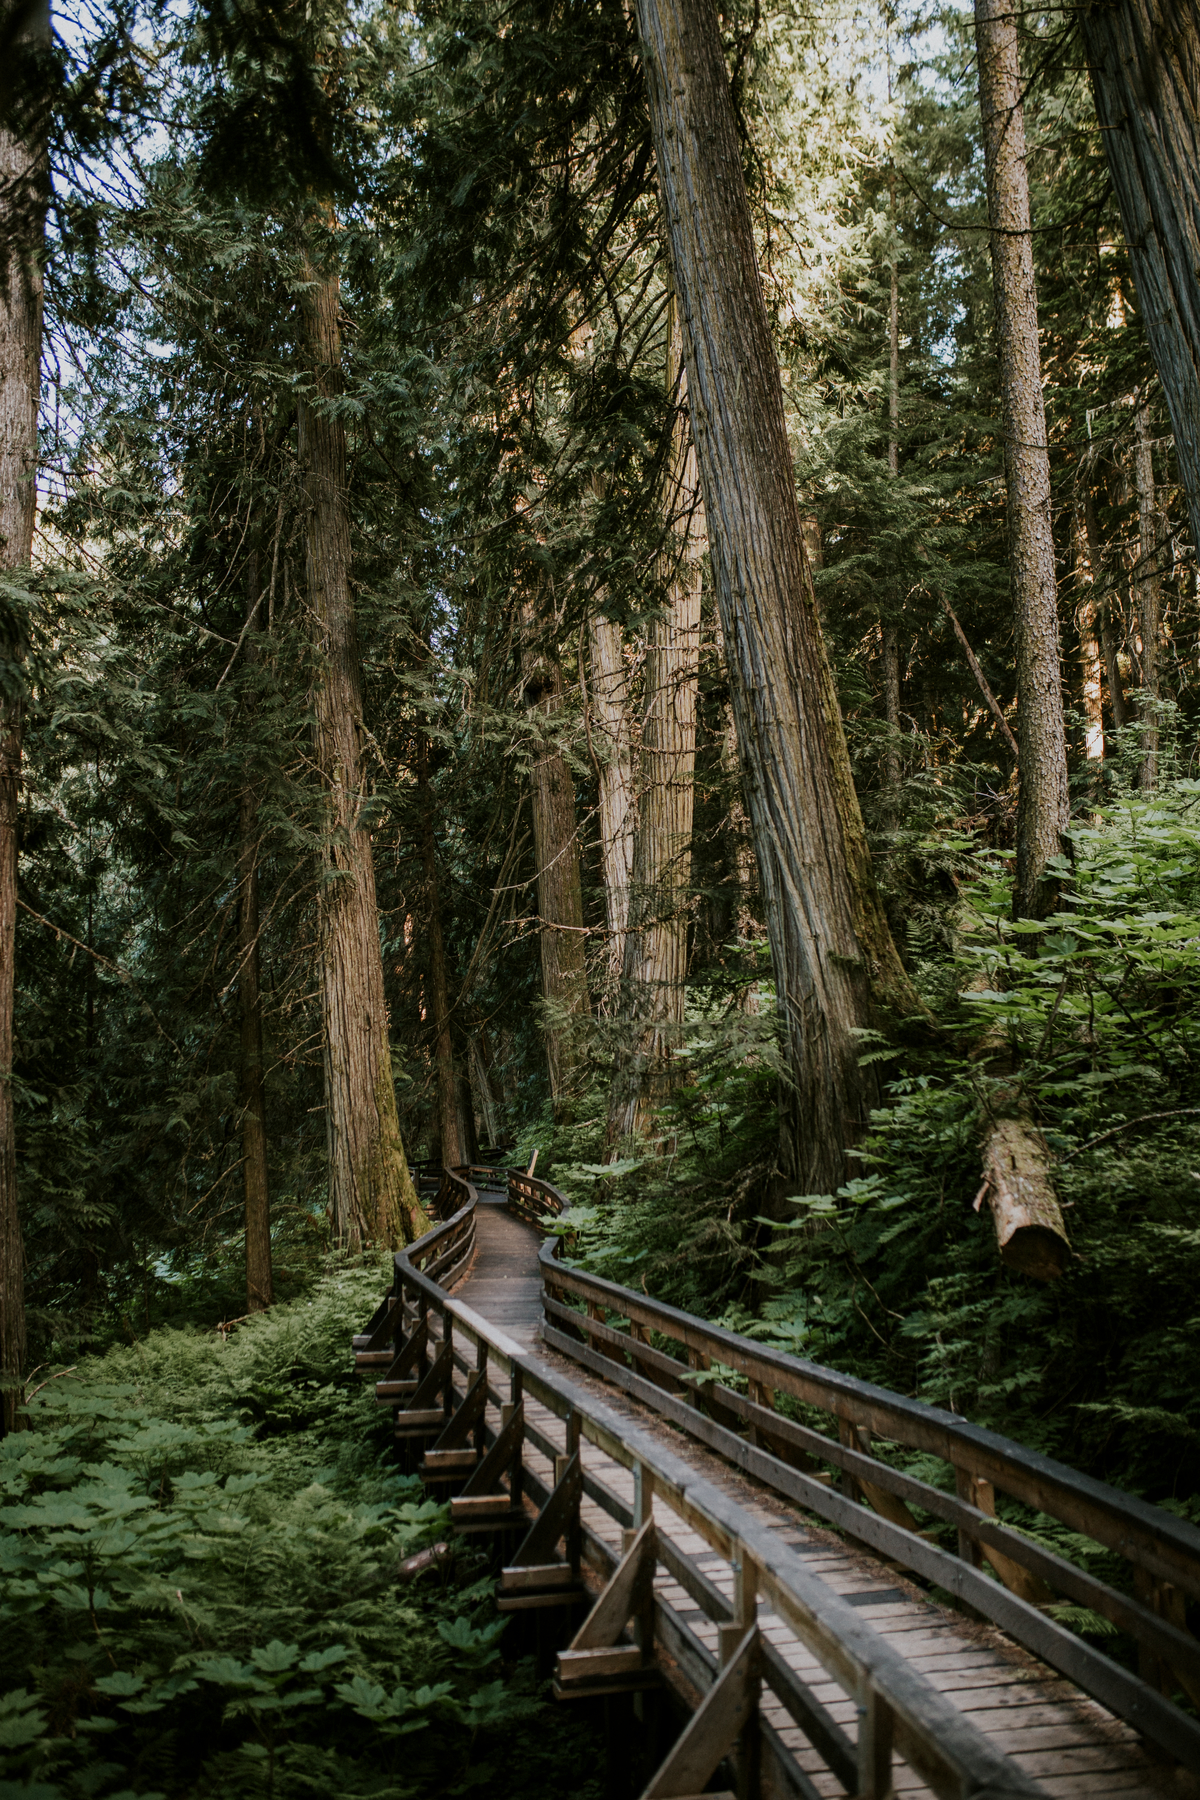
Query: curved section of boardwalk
x=1068, y=1743
x=565, y=1412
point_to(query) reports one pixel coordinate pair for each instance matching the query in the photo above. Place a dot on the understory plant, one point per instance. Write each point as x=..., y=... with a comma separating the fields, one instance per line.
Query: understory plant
x=202, y=1586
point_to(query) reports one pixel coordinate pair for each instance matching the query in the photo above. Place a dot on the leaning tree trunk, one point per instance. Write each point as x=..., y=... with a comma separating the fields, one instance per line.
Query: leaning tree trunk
x=1043, y=807
x=609, y=711
x=371, y=1192
x=655, y=966
x=559, y=892
x=1144, y=60
x=260, y=1291
x=833, y=953
x=1148, y=594
x=22, y=215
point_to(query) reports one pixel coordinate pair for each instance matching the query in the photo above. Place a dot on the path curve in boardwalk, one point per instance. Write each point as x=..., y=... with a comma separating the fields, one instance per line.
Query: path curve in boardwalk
x=1058, y=1740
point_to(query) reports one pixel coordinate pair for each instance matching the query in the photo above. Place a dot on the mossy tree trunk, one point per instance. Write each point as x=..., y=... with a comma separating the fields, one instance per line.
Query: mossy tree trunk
x=656, y=944
x=23, y=189
x=372, y=1196
x=260, y=1289
x=1043, y=807
x=836, y=967
x=561, y=935
x=1144, y=61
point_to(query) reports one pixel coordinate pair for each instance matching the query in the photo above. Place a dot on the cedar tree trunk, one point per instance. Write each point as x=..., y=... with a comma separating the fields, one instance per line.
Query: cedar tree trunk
x=834, y=958
x=260, y=1292
x=371, y=1192
x=1043, y=807
x=22, y=215
x=453, y=1152
x=655, y=968
x=1144, y=60
x=1108, y=642
x=1087, y=619
x=609, y=706
x=1148, y=594
x=559, y=893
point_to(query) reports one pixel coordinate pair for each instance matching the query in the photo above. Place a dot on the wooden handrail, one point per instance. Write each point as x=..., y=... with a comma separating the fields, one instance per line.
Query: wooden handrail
x=1163, y=1551
x=941, y=1744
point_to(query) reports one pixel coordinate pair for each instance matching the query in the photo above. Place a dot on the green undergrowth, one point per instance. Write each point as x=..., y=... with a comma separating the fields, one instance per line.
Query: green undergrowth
x=202, y=1543
x=1094, y=1020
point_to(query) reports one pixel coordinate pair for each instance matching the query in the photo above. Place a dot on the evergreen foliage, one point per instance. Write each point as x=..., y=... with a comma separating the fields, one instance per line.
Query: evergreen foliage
x=202, y=1541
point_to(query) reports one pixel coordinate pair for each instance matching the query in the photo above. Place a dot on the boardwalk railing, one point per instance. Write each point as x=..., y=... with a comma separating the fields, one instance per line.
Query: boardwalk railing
x=684, y=1368
x=452, y=1377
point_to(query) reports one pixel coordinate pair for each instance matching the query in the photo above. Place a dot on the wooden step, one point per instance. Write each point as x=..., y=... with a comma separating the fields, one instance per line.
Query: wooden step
x=373, y=1359
x=447, y=1465
x=477, y=1506
x=390, y=1393
x=420, y=1424
x=535, y=1600
x=537, y=1575
x=585, y=1665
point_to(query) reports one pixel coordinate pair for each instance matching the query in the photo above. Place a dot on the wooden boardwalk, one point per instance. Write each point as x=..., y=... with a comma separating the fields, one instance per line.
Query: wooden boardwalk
x=1064, y=1741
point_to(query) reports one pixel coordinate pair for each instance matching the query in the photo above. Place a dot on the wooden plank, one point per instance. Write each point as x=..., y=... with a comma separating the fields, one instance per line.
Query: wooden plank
x=629, y=1591
x=1168, y=1546
x=537, y=1575
x=714, y=1727
x=591, y=1665
x=448, y=1459
x=1090, y=1669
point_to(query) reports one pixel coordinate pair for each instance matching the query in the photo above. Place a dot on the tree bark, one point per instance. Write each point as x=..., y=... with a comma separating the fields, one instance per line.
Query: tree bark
x=561, y=934
x=891, y=640
x=1144, y=60
x=834, y=958
x=372, y=1196
x=1043, y=807
x=1148, y=592
x=450, y=1137
x=655, y=967
x=1108, y=643
x=23, y=192
x=610, y=732
x=1087, y=619
x=260, y=1289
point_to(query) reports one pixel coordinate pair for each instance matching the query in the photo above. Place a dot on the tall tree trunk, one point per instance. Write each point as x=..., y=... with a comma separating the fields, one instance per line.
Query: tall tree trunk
x=1087, y=619
x=23, y=181
x=372, y=1195
x=1144, y=60
x=1108, y=642
x=1148, y=592
x=260, y=1289
x=655, y=967
x=891, y=639
x=833, y=953
x=453, y=1151
x=1043, y=807
x=559, y=892
x=610, y=734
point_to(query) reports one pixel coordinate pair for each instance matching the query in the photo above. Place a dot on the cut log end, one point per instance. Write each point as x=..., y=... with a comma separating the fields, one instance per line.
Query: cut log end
x=1030, y=1232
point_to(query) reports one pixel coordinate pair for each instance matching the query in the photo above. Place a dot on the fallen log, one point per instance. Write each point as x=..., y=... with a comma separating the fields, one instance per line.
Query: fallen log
x=1018, y=1186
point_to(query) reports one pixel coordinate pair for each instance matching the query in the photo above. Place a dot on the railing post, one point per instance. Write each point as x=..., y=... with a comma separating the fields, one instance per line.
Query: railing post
x=977, y=1493
x=517, y=1472
x=854, y=1438
x=574, y=1447
x=729, y=1636
x=875, y=1731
